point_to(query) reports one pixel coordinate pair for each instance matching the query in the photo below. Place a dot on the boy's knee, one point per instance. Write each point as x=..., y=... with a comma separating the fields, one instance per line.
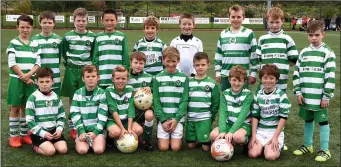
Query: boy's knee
x=62, y=151
x=149, y=116
x=239, y=139
x=50, y=151
x=253, y=154
x=213, y=136
x=82, y=150
x=271, y=157
x=176, y=147
x=114, y=133
x=163, y=147
x=98, y=150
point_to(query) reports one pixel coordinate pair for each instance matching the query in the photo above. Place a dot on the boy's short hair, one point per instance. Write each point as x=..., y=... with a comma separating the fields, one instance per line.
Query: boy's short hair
x=25, y=18
x=139, y=56
x=269, y=69
x=171, y=51
x=151, y=21
x=119, y=68
x=275, y=13
x=315, y=25
x=201, y=55
x=89, y=69
x=44, y=72
x=79, y=12
x=236, y=8
x=47, y=15
x=238, y=72
x=186, y=16
x=109, y=11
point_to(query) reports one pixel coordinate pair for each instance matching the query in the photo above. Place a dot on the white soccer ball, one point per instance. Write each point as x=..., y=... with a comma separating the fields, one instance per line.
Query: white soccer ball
x=143, y=100
x=221, y=150
x=127, y=144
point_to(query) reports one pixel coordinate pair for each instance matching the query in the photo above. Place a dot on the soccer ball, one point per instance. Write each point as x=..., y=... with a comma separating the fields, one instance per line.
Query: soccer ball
x=143, y=100
x=127, y=144
x=221, y=150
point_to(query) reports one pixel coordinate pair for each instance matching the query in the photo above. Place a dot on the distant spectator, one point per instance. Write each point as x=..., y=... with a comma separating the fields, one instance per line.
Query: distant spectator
x=327, y=21
x=294, y=22
x=305, y=21
x=337, y=22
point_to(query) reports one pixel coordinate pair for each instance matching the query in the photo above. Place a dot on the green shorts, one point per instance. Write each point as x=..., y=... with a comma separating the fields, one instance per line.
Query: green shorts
x=225, y=83
x=318, y=116
x=112, y=122
x=72, y=81
x=18, y=92
x=198, y=131
x=245, y=126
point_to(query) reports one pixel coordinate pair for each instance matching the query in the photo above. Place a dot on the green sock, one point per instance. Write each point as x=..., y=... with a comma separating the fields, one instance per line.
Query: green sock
x=308, y=133
x=23, y=127
x=148, y=130
x=324, y=136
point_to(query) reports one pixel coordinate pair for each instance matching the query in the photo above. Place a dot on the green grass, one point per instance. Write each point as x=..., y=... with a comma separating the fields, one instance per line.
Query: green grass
x=293, y=134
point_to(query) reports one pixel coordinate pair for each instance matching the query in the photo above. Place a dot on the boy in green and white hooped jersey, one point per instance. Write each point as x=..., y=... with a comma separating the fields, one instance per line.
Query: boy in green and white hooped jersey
x=151, y=46
x=110, y=50
x=314, y=82
x=236, y=46
x=89, y=113
x=121, y=107
x=50, y=44
x=23, y=62
x=170, y=101
x=45, y=116
x=139, y=79
x=77, y=47
x=269, y=115
x=203, y=104
x=235, y=109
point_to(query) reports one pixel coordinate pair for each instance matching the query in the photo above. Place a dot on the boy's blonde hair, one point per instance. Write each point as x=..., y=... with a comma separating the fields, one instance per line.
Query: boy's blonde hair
x=171, y=51
x=238, y=72
x=186, y=16
x=89, y=69
x=138, y=56
x=119, y=68
x=236, y=8
x=151, y=21
x=80, y=12
x=315, y=25
x=275, y=13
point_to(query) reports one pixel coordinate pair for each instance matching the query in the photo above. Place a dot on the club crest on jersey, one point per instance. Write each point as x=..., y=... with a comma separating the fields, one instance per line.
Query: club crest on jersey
x=144, y=83
x=177, y=83
x=117, y=40
x=149, y=48
x=125, y=99
x=88, y=43
x=207, y=88
x=267, y=101
x=233, y=40
x=48, y=103
x=33, y=49
x=54, y=44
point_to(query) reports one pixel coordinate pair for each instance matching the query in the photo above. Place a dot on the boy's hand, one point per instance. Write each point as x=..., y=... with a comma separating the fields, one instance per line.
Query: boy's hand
x=48, y=136
x=274, y=144
x=324, y=103
x=147, y=89
x=29, y=82
x=166, y=126
x=123, y=131
x=131, y=132
x=300, y=100
x=82, y=137
x=218, y=79
x=173, y=124
x=252, y=80
x=228, y=137
x=92, y=135
x=220, y=136
x=57, y=134
x=26, y=77
x=253, y=141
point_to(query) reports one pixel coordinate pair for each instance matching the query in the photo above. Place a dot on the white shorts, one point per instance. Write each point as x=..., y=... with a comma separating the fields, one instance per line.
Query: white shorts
x=176, y=134
x=264, y=137
x=103, y=134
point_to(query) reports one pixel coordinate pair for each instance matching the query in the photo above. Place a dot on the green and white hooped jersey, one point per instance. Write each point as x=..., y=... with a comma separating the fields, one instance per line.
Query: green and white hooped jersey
x=153, y=51
x=22, y=55
x=269, y=108
x=314, y=75
x=89, y=113
x=203, y=99
x=77, y=48
x=44, y=113
x=277, y=48
x=236, y=49
x=51, y=54
x=110, y=50
x=140, y=80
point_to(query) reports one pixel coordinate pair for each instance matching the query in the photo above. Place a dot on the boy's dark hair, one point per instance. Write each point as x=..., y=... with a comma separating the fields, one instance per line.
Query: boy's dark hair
x=44, y=72
x=25, y=18
x=47, y=15
x=201, y=55
x=186, y=16
x=109, y=11
x=269, y=69
x=89, y=69
x=315, y=25
x=238, y=72
x=138, y=56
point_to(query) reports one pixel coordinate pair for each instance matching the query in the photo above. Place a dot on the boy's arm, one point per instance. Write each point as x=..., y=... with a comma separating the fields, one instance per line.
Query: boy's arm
x=131, y=109
x=125, y=56
x=296, y=77
x=292, y=51
x=65, y=48
x=245, y=110
x=31, y=123
x=112, y=106
x=215, y=100
x=135, y=47
x=201, y=47
x=157, y=103
x=329, y=77
x=183, y=102
x=76, y=115
x=218, y=58
x=259, y=51
x=254, y=61
x=255, y=114
x=222, y=114
x=60, y=117
x=102, y=114
x=95, y=54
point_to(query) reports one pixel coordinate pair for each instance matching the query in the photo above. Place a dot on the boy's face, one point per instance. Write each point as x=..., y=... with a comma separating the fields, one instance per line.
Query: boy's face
x=150, y=32
x=137, y=65
x=47, y=25
x=269, y=81
x=316, y=38
x=109, y=21
x=120, y=80
x=25, y=29
x=80, y=22
x=236, y=84
x=201, y=66
x=236, y=18
x=275, y=24
x=45, y=84
x=170, y=63
x=90, y=79
x=186, y=26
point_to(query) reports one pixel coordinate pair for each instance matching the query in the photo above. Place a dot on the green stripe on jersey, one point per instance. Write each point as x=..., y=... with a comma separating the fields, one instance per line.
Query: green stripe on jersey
x=140, y=80
x=234, y=104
